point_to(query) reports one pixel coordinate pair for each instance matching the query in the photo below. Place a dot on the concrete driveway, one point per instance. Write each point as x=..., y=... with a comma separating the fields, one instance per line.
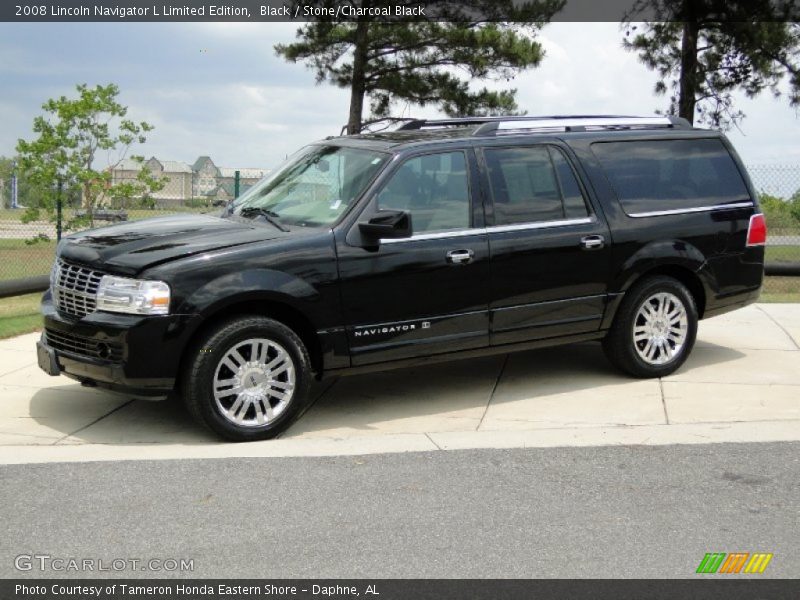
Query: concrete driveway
x=742, y=383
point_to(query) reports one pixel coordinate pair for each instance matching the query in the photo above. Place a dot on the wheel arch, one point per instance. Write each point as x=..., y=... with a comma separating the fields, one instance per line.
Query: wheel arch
x=687, y=274
x=279, y=309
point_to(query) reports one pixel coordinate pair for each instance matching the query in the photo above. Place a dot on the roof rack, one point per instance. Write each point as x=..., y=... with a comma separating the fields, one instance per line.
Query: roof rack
x=551, y=124
x=442, y=123
x=383, y=122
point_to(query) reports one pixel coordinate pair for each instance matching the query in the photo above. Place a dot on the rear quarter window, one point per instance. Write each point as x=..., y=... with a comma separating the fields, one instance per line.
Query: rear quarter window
x=660, y=175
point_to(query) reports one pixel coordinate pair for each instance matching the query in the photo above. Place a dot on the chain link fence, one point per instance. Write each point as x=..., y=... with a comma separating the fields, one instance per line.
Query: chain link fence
x=29, y=230
x=28, y=238
x=778, y=187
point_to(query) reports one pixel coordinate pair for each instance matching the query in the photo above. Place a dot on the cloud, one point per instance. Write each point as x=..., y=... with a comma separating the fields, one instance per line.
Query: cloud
x=553, y=50
x=219, y=89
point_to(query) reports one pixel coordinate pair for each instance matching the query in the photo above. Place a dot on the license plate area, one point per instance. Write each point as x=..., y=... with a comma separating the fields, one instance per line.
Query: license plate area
x=47, y=359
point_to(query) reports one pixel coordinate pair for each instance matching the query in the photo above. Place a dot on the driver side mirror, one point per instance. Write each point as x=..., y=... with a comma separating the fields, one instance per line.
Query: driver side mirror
x=387, y=224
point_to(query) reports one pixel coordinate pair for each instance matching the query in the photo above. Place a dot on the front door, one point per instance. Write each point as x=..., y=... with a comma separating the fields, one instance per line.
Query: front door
x=426, y=294
x=550, y=255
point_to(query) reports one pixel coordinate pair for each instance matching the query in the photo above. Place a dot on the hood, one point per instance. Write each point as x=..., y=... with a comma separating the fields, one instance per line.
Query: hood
x=128, y=248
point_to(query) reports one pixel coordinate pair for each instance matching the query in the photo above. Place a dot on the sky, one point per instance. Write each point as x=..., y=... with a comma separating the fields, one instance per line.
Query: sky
x=218, y=89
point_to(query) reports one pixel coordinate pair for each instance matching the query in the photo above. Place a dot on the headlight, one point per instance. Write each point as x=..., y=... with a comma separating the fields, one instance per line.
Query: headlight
x=134, y=296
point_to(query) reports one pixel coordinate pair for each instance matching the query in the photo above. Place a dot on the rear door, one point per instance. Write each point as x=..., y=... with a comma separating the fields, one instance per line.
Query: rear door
x=549, y=249
x=427, y=294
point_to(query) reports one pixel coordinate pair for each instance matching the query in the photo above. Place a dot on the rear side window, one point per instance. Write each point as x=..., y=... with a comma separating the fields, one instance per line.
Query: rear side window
x=671, y=174
x=531, y=185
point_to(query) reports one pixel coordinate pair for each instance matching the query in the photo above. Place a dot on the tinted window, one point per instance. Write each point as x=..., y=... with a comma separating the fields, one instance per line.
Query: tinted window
x=434, y=189
x=574, y=203
x=671, y=174
x=533, y=184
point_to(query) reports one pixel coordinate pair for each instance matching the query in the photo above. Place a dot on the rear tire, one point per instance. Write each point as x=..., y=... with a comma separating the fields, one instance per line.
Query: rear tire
x=654, y=330
x=247, y=379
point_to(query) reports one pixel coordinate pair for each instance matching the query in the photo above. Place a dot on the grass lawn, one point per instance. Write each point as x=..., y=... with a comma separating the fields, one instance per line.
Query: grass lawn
x=19, y=315
x=9, y=214
x=783, y=253
x=781, y=289
x=18, y=259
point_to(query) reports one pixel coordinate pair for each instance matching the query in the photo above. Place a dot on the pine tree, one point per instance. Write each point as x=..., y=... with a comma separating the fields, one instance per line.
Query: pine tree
x=705, y=50
x=422, y=62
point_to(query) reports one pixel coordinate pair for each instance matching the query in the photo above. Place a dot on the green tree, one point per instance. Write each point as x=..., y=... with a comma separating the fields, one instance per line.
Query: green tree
x=705, y=50
x=780, y=212
x=422, y=62
x=80, y=141
x=773, y=205
x=794, y=207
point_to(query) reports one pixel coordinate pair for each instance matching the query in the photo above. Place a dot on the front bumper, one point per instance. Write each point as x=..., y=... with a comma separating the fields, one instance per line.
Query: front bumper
x=131, y=354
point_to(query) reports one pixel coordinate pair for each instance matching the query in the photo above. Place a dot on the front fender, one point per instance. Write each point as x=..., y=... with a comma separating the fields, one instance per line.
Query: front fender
x=251, y=284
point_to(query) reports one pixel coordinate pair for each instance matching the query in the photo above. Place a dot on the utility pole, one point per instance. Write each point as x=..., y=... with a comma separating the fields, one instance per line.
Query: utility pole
x=14, y=199
x=59, y=204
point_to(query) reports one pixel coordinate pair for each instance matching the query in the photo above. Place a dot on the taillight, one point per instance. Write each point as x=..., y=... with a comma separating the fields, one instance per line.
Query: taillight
x=757, y=231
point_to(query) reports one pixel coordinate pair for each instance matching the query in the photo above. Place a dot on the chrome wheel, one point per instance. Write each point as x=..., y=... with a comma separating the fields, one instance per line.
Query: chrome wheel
x=660, y=328
x=254, y=382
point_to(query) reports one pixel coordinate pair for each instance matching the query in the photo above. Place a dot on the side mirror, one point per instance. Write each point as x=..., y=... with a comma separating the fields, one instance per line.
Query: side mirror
x=387, y=224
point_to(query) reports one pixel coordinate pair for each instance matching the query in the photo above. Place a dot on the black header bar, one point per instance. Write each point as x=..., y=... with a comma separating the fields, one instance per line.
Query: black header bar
x=383, y=10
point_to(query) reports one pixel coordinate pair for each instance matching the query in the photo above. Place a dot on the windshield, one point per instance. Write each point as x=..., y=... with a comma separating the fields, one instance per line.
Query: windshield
x=313, y=188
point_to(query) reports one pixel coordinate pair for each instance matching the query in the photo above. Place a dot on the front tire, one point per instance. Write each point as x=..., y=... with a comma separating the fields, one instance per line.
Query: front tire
x=248, y=379
x=654, y=330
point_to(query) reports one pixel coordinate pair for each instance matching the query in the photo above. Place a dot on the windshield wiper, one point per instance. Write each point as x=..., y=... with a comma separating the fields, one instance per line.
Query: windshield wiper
x=256, y=211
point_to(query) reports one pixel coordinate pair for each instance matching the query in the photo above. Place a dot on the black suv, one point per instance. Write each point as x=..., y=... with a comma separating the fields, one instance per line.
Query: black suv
x=440, y=240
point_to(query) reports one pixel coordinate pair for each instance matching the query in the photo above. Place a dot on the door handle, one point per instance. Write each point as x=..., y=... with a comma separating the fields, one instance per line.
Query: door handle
x=593, y=242
x=460, y=257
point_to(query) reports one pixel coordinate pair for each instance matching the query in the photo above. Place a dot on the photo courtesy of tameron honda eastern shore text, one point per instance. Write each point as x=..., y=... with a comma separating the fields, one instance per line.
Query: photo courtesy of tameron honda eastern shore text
x=439, y=240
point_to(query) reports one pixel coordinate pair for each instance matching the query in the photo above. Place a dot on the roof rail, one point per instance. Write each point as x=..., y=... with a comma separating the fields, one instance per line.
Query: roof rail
x=550, y=124
x=385, y=121
x=439, y=123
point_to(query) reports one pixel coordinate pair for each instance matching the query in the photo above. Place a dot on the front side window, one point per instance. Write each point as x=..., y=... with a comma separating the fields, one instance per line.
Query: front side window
x=531, y=185
x=315, y=187
x=660, y=175
x=434, y=188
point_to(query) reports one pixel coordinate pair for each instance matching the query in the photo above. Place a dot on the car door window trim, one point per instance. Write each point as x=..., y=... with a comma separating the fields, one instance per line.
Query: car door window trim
x=540, y=225
x=492, y=229
x=687, y=211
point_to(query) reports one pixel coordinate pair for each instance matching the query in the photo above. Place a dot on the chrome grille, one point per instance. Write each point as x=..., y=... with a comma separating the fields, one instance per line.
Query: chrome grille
x=75, y=289
x=83, y=346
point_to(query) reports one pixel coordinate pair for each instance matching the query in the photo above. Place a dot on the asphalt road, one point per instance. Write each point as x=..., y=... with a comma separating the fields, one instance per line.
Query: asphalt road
x=560, y=512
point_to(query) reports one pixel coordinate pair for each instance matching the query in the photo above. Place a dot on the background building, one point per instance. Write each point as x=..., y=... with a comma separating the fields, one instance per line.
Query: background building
x=202, y=180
